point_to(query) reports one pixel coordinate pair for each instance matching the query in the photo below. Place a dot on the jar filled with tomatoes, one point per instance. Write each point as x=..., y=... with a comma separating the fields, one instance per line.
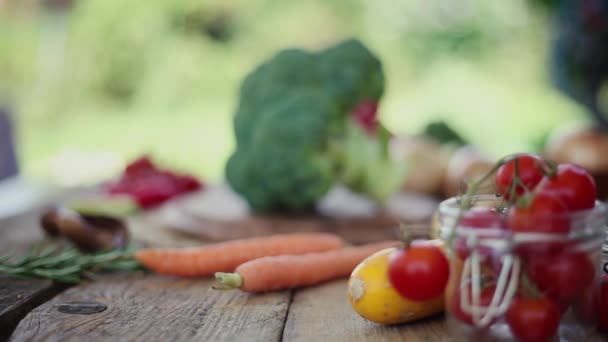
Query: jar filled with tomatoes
x=525, y=265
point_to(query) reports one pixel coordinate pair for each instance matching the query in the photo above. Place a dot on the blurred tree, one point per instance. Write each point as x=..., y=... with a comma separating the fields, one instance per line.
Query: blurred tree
x=579, y=65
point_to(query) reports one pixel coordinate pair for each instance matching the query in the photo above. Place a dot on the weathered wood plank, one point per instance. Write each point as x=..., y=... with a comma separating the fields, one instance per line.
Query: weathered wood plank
x=20, y=296
x=155, y=308
x=322, y=313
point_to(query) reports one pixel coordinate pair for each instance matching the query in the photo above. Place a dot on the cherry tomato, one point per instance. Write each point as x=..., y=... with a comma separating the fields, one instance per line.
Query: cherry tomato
x=419, y=272
x=529, y=171
x=603, y=304
x=546, y=213
x=585, y=305
x=482, y=217
x=562, y=276
x=478, y=218
x=573, y=185
x=485, y=298
x=533, y=319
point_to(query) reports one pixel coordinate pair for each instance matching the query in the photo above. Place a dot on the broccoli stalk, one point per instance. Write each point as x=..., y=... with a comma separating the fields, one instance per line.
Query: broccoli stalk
x=306, y=121
x=367, y=166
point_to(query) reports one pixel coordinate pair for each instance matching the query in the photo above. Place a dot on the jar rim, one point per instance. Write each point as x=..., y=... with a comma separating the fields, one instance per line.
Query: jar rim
x=450, y=206
x=583, y=222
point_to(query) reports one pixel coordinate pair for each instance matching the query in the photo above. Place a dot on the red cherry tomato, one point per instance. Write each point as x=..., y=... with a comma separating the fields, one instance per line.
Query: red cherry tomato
x=482, y=217
x=585, y=305
x=485, y=298
x=419, y=272
x=573, y=185
x=546, y=213
x=563, y=276
x=603, y=305
x=529, y=170
x=533, y=320
x=478, y=218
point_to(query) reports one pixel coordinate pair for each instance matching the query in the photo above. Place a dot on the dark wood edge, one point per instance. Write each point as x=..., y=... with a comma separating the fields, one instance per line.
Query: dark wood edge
x=13, y=315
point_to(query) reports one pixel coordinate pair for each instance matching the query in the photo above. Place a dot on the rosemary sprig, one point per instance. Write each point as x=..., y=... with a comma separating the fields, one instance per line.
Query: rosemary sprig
x=67, y=265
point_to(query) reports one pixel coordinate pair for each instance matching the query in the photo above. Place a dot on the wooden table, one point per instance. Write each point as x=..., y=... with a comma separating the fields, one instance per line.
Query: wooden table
x=147, y=307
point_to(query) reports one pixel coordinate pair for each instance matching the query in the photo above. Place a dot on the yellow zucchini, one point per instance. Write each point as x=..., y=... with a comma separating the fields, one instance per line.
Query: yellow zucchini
x=371, y=295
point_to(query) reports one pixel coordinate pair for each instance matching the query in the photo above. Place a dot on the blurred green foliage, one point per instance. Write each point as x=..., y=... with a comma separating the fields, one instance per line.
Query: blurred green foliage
x=161, y=76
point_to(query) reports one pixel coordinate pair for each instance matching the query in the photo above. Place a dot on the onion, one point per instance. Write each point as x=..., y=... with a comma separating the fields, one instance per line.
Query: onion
x=585, y=146
x=426, y=162
x=467, y=164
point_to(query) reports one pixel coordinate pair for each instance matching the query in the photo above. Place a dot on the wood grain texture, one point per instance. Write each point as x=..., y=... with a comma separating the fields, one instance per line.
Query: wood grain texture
x=155, y=308
x=20, y=296
x=322, y=313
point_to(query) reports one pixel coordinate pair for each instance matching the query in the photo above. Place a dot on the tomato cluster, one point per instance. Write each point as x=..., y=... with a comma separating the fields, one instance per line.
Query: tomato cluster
x=149, y=185
x=538, y=199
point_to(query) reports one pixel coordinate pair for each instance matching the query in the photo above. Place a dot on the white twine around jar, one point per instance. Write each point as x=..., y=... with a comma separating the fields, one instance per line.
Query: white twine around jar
x=587, y=230
x=506, y=286
x=508, y=278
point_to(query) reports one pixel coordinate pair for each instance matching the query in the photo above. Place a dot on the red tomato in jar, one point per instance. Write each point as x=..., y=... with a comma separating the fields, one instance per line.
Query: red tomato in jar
x=546, y=213
x=533, y=319
x=419, y=272
x=573, y=185
x=482, y=217
x=562, y=276
x=485, y=298
x=530, y=173
x=478, y=218
x=585, y=305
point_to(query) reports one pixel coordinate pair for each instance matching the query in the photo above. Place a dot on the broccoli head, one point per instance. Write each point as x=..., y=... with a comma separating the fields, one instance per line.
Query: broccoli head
x=294, y=123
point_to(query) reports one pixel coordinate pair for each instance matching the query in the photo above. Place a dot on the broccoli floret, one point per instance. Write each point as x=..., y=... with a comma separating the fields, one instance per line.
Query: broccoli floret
x=291, y=123
x=442, y=133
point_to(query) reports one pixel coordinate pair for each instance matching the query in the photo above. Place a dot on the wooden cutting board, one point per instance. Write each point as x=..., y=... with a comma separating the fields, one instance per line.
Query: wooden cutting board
x=218, y=214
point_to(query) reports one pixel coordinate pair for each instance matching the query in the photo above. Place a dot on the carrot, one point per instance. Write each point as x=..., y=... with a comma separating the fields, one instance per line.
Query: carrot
x=291, y=271
x=226, y=256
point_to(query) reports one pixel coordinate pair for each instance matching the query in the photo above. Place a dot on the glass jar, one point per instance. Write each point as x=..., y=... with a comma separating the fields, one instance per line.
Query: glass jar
x=495, y=273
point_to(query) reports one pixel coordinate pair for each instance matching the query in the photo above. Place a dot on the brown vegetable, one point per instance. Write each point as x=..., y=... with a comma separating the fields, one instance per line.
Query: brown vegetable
x=426, y=161
x=467, y=164
x=49, y=223
x=585, y=146
x=89, y=233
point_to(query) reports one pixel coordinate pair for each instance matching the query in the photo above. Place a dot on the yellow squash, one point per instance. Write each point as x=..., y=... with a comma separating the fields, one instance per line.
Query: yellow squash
x=372, y=296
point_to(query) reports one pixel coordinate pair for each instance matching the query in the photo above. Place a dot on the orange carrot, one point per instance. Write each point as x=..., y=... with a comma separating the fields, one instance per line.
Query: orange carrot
x=291, y=271
x=226, y=256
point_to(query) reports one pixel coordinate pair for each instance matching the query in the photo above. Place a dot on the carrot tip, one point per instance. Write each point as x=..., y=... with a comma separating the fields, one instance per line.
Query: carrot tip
x=228, y=281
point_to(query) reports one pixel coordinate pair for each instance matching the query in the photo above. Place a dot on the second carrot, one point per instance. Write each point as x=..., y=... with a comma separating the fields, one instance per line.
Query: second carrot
x=291, y=271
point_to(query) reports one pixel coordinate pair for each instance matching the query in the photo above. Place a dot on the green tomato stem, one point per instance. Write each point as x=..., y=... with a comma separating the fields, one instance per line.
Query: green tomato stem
x=472, y=189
